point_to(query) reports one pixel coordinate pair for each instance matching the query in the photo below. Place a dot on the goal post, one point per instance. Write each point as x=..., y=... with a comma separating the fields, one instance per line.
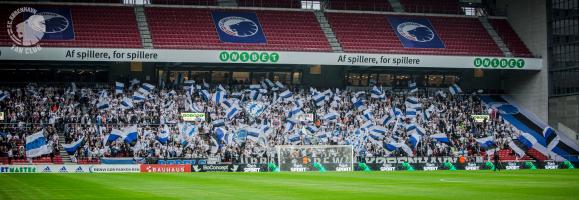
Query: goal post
x=302, y=158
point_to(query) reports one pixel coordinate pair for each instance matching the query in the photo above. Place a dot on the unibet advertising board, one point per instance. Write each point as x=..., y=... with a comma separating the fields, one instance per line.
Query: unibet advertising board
x=271, y=57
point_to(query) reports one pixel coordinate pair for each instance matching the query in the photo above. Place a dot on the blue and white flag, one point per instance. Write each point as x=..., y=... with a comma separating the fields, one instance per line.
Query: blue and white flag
x=415, y=32
x=410, y=113
x=290, y=124
x=331, y=116
x=189, y=130
x=322, y=136
x=188, y=83
x=376, y=93
x=440, y=137
x=412, y=102
x=114, y=135
x=119, y=87
x=285, y=94
x=72, y=147
x=414, y=139
x=3, y=95
x=294, y=139
x=294, y=112
x=253, y=133
x=310, y=130
x=366, y=125
x=163, y=135
x=205, y=95
x=279, y=84
x=440, y=93
x=255, y=87
x=36, y=145
x=367, y=114
x=254, y=109
x=228, y=138
x=131, y=134
x=254, y=95
x=428, y=112
x=412, y=87
x=414, y=129
x=238, y=27
x=196, y=108
x=138, y=96
x=454, y=89
x=126, y=103
x=377, y=132
x=358, y=104
x=220, y=134
x=551, y=138
x=218, y=97
x=102, y=105
x=486, y=142
x=319, y=99
x=387, y=120
x=232, y=112
x=134, y=82
x=146, y=88
x=218, y=123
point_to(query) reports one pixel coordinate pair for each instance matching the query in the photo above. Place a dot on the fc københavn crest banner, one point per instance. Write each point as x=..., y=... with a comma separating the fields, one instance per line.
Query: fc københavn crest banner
x=415, y=32
x=238, y=27
x=50, y=23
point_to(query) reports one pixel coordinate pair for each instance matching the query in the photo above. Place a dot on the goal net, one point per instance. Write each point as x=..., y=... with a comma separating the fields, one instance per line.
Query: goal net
x=302, y=158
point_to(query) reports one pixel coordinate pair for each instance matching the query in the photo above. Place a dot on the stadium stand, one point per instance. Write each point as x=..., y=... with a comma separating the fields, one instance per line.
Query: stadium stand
x=171, y=28
x=75, y=114
x=185, y=2
x=367, y=5
x=116, y=29
x=428, y=6
x=373, y=34
x=510, y=37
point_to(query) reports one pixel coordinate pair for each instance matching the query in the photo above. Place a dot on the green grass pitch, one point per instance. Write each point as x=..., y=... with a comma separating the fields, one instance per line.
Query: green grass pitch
x=401, y=185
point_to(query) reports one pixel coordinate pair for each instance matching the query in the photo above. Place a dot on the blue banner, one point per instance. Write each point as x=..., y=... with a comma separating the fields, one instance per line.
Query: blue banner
x=415, y=32
x=57, y=23
x=238, y=27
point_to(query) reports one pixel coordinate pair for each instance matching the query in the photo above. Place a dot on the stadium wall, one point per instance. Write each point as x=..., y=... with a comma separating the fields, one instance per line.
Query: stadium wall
x=530, y=89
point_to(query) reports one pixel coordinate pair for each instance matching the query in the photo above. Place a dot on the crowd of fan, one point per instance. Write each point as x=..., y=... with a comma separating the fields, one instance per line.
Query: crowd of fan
x=73, y=112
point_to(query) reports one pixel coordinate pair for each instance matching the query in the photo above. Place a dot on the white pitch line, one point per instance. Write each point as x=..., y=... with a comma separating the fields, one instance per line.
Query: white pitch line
x=452, y=181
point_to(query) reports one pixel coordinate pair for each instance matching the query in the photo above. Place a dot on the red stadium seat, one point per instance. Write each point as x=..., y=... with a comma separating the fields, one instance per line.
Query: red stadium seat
x=510, y=37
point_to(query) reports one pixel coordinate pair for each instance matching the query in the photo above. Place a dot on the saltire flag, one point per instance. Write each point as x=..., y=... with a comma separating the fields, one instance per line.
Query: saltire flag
x=285, y=94
x=440, y=137
x=36, y=145
x=119, y=87
x=114, y=135
x=72, y=147
x=138, y=96
x=331, y=116
x=294, y=112
x=414, y=139
x=232, y=112
x=358, y=104
x=146, y=88
x=253, y=133
x=367, y=114
x=102, y=105
x=205, y=95
x=289, y=124
x=454, y=89
x=412, y=87
x=218, y=97
x=126, y=103
x=163, y=135
x=130, y=134
x=294, y=139
x=319, y=99
x=486, y=142
x=516, y=148
x=3, y=95
x=218, y=123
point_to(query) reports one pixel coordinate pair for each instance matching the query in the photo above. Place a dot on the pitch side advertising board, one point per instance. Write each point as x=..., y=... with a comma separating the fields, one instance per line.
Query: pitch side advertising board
x=146, y=168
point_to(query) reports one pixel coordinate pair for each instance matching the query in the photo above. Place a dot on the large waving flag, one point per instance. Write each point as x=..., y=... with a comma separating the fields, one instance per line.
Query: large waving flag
x=36, y=145
x=393, y=146
x=454, y=89
x=119, y=87
x=146, y=88
x=72, y=147
x=486, y=142
x=114, y=135
x=411, y=113
x=440, y=137
x=516, y=148
x=414, y=139
x=412, y=102
x=551, y=138
x=163, y=135
x=131, y=134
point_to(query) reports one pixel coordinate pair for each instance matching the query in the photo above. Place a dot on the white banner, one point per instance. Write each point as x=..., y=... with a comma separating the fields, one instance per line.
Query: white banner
x=115, y=169
x=63, y=168
x=271, y=57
